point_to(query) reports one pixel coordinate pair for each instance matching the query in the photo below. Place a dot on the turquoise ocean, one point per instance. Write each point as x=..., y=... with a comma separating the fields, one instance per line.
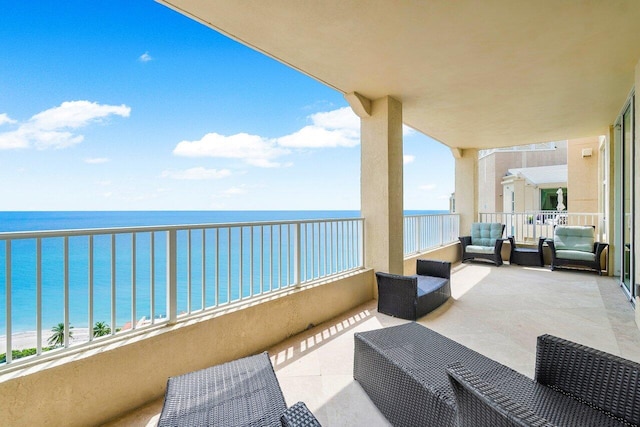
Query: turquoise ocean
x=23, y=266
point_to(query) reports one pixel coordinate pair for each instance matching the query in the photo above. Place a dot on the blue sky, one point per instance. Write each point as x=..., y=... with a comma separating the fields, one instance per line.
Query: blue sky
x=128, y=105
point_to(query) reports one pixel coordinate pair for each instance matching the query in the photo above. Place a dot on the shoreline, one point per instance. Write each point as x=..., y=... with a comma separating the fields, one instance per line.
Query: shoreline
x=28, y=339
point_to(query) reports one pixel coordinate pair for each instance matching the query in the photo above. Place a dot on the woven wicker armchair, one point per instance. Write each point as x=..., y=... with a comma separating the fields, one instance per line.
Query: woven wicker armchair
x=575, y=246
x=485, y=242
x=597, y=380
x=411, y=297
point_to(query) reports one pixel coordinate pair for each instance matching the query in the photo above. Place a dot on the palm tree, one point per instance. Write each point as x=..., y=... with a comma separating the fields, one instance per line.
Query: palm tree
x=57, y=338
x=101, y=329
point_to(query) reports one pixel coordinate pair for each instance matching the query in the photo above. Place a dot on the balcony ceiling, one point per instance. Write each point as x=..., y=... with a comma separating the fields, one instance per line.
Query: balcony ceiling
x=469, y=74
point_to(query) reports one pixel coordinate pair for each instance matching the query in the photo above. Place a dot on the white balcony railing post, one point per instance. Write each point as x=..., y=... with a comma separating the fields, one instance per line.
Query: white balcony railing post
x=297, y=258
x=7, y=258
x=172, y=276
x=418, y=242
x=66, y=291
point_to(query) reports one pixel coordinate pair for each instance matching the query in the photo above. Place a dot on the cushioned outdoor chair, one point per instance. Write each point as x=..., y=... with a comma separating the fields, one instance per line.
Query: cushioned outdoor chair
x=411, y=297
x=484, y=243
x=575, y=246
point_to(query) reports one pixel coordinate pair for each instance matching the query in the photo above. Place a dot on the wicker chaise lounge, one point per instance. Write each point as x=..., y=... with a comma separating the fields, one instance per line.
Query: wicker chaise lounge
x=411, y=297
x=243, y=392
x=403, y=369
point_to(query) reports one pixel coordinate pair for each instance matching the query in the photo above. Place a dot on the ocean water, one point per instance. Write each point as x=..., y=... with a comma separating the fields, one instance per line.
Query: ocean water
x=270, y=264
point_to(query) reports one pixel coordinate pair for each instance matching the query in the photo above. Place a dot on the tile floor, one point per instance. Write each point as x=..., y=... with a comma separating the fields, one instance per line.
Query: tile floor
x=498, y=312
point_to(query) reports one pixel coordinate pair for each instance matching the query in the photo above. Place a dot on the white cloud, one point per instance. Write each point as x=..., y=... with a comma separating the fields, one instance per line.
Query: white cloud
x=252, y=149
x=406, y=130
x=145, y=57
x=235, y=191
x=96, y=160
x=427, y=187
x=53, y=128
x=408, y=158
x=231, y=192
x=198, y=173
x=337, y=128
x=4, y=118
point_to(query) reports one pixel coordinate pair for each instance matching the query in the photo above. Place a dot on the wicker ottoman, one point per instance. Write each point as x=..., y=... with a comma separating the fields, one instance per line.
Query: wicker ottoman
x=243, y=392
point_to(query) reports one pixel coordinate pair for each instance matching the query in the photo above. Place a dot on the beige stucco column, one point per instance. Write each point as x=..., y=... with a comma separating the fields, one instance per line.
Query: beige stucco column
x=466, y=187
x=381, y=185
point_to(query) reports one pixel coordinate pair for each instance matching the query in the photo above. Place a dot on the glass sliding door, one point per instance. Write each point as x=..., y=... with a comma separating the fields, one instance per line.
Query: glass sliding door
x=628, y=152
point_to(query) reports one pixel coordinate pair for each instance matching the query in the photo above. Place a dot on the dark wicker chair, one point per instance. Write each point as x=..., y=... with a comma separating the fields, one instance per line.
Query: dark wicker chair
x=575, y=246
x=403, y=369
x=597, y=380
x=485, y=242
x=411, y=297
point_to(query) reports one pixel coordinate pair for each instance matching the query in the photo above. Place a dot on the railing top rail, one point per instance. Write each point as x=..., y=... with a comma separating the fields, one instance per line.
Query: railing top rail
x=540, y=212
x=437, y=214
x=15, y=235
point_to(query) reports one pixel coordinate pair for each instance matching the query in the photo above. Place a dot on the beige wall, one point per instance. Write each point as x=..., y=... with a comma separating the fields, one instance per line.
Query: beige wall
x=492, y=169
x=490, y=197
x=449, y=253
x=94, y=386
x=583, y=184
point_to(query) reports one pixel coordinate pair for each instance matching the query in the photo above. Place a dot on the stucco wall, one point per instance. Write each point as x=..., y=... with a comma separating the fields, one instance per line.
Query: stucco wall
x=492, y=169
x=582, y=182
x=449, y=253
x=97, y=385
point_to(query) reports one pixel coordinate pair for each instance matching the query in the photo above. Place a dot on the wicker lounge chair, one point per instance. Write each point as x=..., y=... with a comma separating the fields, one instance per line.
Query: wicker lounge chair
x=575, y=246
x=485, y=242
x=411, y=297
x=403, y=369
x=243, y=392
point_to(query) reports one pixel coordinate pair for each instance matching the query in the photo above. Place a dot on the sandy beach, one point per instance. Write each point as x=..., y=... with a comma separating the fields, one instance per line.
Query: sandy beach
x=22, y=340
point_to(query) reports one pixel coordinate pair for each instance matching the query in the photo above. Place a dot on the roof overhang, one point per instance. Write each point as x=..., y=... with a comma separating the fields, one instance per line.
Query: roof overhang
x=469, y=74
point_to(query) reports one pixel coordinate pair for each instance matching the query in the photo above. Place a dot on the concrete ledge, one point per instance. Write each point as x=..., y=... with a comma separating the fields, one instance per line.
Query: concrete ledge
x=99, y=384
x=450, y=252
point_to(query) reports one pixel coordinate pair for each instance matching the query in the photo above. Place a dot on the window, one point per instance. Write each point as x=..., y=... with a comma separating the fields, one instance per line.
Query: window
x=549, y=199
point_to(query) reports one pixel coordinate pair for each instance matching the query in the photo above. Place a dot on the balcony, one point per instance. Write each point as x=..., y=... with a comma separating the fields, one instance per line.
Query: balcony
x=293, y=275
x=179, y=298
x=498, y=312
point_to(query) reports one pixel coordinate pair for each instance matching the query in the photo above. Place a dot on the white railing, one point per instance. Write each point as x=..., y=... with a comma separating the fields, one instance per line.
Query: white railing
x=527, y=227
x=423, y=232
x=132, y=278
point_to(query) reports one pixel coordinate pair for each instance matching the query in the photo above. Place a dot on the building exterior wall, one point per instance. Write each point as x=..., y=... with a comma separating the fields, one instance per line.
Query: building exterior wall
x=493, y=167
x=489, y=199
x=583, y=182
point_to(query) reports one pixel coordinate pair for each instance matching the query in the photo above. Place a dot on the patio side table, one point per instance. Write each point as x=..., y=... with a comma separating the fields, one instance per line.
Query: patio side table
x=527, y=256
